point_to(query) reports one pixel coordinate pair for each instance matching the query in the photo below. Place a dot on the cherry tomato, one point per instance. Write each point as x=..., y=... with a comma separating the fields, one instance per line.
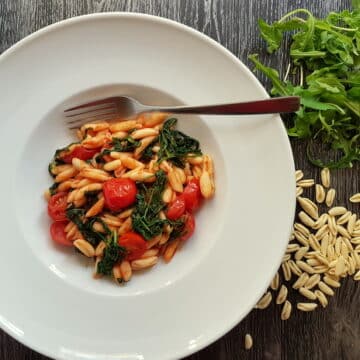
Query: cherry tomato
x=189, y=227
x=176, y=208
x=57, y=231
x=192, y=195
x=57, y=206
x=134, y=243
x=79, y=152
x=119, y=193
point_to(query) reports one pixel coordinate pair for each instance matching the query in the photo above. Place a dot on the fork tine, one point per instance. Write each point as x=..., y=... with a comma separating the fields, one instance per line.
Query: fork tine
x=77, y=126
x=81, y=122
x=90, y=111
x=95, y=117
x=93, y=103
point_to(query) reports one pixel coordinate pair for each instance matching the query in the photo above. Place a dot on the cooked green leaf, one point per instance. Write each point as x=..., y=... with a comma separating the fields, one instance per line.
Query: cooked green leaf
x=113, y=253
x=53, y=188
x=175, y=145
x=146, y=216
x=148, y=153
x=85, y=226
x=126, y=144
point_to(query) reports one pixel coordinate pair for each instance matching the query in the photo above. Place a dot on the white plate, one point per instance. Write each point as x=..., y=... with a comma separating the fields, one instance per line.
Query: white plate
x=49, y=300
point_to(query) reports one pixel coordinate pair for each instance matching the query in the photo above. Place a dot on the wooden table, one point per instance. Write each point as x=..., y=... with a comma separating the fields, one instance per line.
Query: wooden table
x=333, y=333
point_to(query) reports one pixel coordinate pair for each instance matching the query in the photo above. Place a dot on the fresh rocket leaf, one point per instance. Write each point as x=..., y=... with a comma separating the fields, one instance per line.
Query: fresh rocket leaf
x=272, y=74
x=325, y=73
x=356, y=4
x=314, y=104
x=272, y=34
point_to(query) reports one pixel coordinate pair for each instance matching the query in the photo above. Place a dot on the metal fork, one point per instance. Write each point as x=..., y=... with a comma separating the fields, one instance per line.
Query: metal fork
x=125, y=106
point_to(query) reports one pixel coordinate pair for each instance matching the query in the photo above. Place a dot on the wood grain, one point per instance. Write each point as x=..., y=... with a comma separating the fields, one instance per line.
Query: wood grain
x=333, y=333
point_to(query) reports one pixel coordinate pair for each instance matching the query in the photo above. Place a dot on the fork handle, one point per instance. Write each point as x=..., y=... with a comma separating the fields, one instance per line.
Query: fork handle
x=269, y=106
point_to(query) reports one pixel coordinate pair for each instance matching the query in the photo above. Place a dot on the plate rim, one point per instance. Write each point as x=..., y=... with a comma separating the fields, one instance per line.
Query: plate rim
x=5, y=325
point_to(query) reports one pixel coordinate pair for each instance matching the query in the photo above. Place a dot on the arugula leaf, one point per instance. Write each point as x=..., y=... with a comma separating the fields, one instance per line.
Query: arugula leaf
x=175, y=145
x=146, y=216
x=354, y=93
x=147, y=154
x=77, y=216
x=59, y=152
x=327, y=51
x=126, y=144
x=272, y=34
x=91, y=198
x=113, y=253
x=297, y=54
x=178, y=227
x=272, y=74
x=53, y=188
x=312, y=103
x=57, y=158
x=50, y=168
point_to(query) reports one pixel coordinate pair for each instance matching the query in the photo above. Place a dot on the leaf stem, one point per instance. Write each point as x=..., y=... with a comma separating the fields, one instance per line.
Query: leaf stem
x=291, y=13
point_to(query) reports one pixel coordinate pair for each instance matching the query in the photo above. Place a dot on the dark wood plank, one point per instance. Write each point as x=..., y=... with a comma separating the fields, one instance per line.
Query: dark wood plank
x=325, y=334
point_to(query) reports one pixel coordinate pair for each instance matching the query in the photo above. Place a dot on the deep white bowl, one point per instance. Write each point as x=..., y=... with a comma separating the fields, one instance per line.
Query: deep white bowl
x=49, y=300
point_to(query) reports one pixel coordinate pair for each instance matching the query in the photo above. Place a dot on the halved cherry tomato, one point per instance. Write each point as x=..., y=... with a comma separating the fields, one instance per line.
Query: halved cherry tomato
x=57, y=231
x=189, y=227
x=79, y=152
x=192, y=195
x=57, y=206
x=119, y=193
x=134, y=243
x=176, y=208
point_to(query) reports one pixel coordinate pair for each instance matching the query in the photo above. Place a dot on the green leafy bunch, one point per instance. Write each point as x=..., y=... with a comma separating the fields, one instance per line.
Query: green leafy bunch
x=325, y=68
